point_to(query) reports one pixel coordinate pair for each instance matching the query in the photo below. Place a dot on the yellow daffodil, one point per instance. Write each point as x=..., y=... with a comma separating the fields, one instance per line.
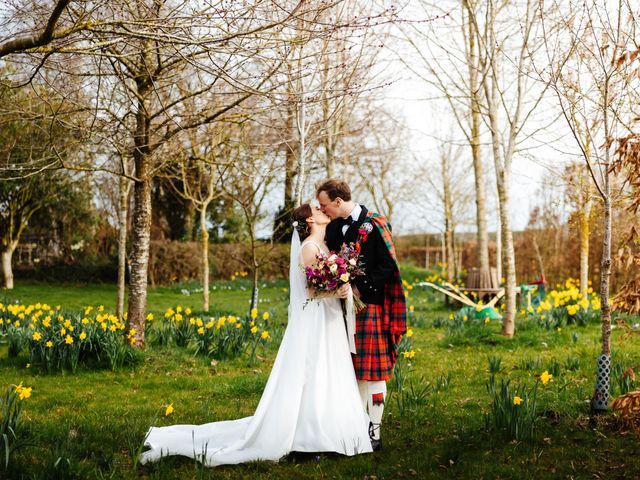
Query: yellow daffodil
x=83, y=336
x=169, y=410
x=517, y=400
x=36, y=336
x=23, y=392
x=264, y=335
x=49, y=344
x=254, y=313
x=409, y=333
x=149, y=317
x=545, y=377
x=265, y=316
x=68, y=339
x=254, y=329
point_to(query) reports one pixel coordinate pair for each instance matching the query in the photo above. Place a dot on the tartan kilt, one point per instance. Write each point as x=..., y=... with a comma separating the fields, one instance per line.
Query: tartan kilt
x=376, y=352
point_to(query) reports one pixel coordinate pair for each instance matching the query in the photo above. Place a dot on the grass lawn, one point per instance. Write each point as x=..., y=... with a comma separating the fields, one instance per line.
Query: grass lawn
x=85, y=425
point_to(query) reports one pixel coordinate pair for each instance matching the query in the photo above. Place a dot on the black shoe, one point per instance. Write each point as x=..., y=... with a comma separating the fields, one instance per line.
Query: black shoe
x=376, y=445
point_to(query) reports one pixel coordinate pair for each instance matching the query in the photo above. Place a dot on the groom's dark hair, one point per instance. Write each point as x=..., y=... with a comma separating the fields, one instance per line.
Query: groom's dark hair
x=334, y=188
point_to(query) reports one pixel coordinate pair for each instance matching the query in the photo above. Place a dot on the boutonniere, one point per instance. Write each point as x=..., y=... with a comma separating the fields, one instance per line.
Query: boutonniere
x=363, y=233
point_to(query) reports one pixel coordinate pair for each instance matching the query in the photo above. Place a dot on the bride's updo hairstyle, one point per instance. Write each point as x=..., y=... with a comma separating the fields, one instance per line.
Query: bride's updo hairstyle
x=300, y=216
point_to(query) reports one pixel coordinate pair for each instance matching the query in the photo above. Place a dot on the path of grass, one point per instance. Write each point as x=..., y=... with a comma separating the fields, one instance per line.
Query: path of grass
x=81, y=426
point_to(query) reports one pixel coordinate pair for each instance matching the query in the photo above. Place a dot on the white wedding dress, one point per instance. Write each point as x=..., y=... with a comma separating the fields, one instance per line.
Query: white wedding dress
x=311, y=401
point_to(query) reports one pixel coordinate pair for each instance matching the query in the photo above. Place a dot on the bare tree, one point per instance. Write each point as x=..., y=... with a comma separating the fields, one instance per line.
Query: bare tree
x=200, y=170
x=448, y=60
x=250, y=178
x=509, y=99
x=589, y=73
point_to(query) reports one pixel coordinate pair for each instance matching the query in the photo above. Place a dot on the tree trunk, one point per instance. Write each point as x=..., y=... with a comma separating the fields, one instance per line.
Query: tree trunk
x=140, y=257
x=255, y=290
x=189, y=222
x=539, y=258
x=123, y=203
x=302, y=160
x=7, y=269
x=448, y=241
x=443, y=249
x=478, y=170
x=508, y=321
x=499, y=249
x=205, y=258
x=448, y=217
x=600, y=399
x=506, y=237
x=141, y=232
x=427, y=263
x=584, y=250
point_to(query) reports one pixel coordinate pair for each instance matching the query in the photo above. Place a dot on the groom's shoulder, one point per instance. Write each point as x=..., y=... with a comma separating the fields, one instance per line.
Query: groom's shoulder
x=333, y=224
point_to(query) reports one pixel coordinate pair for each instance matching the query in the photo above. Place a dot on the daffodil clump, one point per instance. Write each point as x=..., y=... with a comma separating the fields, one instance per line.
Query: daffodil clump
x=513, y=411
x=219, y=337
x=58, y=339
x=564, y=306
x=406, y=355
x=11, y=405
x=239, y=274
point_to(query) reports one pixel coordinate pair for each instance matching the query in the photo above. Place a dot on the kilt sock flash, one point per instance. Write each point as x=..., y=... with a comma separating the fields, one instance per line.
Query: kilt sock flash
x=373, y=394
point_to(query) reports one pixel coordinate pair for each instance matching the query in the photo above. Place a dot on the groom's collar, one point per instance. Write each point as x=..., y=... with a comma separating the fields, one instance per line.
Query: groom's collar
x=355, y=212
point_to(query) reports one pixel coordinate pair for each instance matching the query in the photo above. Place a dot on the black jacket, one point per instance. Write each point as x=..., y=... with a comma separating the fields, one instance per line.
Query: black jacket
x=378, y=264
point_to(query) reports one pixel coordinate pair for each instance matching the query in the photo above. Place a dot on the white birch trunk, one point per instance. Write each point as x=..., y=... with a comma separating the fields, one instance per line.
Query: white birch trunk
x=301, y=129
x=7, y=267
x=122, y=243
x=205, y=258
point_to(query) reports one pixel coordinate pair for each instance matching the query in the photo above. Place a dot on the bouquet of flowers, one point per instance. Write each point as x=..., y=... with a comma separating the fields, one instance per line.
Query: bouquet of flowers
x=334, y=269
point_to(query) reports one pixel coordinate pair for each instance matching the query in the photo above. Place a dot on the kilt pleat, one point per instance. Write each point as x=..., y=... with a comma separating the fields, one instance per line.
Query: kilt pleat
x=376, y=353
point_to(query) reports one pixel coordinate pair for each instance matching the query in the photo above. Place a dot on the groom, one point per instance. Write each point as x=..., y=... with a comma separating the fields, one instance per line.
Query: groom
x=380, y=326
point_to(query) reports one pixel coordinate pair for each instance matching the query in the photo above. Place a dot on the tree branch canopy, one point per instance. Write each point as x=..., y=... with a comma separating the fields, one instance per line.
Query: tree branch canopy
x=25, y=42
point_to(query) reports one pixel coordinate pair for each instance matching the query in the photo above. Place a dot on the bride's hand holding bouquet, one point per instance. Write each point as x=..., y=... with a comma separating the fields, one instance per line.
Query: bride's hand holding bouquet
x=333, y=270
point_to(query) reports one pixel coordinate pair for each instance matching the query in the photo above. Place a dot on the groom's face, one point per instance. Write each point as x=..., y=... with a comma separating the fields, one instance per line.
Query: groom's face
x=329, y=207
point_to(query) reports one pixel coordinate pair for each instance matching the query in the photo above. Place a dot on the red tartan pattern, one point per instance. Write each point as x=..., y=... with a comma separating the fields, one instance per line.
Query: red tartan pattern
x=395, y=301
x=379, y=327
x=377, y=398
x=376, y=353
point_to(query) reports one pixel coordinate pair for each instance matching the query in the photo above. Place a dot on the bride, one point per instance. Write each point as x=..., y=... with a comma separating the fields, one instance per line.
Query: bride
x=311, y=401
